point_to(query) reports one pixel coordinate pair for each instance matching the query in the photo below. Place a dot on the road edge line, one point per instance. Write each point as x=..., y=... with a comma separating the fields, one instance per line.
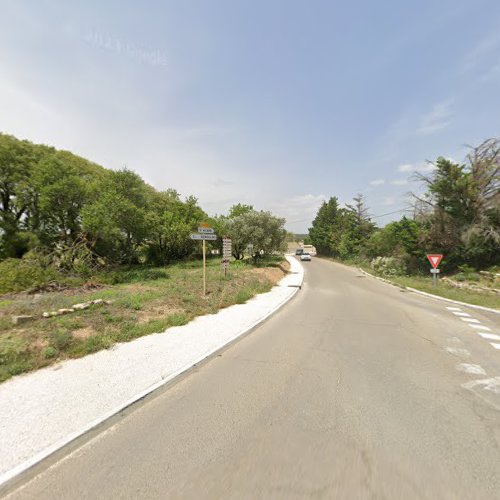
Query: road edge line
x=426, y=294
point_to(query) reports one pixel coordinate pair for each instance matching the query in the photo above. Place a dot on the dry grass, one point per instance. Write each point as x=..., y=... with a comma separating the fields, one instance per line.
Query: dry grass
x=137, y=309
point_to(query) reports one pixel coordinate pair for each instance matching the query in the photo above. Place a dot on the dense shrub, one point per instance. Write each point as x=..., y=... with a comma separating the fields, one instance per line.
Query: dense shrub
x=388, y=266
x=21, y=274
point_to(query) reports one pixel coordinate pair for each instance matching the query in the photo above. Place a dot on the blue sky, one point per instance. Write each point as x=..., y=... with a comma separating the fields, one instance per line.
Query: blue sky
x=280, y=104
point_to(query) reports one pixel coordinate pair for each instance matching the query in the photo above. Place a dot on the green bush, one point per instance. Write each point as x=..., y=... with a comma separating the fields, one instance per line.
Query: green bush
x=467, y=273
x=17, y=275
x=134, y=275
x=61, y=339
x=388, y=266
x=50, y=352
x=12, y=350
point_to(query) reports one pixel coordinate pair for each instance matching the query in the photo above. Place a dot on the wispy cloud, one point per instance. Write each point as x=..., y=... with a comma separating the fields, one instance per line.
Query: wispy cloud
x=477, y=55
x=437, y=119
x=422, y=168
x=399, y=182
x=377, y=182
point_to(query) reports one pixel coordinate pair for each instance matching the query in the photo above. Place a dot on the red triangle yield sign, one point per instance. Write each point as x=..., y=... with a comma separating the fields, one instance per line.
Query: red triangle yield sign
x=435, y=259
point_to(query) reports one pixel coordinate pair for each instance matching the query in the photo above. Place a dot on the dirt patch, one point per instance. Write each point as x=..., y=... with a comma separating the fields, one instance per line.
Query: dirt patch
x=84, y=333
x=272, y=274
x=39, y=343
x=157, y=312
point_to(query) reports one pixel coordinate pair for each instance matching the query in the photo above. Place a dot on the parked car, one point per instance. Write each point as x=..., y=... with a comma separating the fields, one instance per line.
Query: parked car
x=305, y=256
x=299, y=251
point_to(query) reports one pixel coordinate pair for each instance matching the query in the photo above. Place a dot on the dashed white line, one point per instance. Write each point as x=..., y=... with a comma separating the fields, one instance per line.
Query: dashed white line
x=457, y=351
x=480, y=327
x=489, y=336
x=473, y=323
x=488, y=384
x=470, y=320
x=469, y=368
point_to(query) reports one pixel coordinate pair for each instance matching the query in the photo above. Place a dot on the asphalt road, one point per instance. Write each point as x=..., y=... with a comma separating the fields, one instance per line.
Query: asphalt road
x=355, y=389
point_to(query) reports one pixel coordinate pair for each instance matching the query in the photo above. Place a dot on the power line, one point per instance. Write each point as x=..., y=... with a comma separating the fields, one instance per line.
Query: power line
x=390, y=213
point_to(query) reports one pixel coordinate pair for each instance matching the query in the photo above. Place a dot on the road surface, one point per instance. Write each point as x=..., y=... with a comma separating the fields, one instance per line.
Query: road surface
x=355, y=389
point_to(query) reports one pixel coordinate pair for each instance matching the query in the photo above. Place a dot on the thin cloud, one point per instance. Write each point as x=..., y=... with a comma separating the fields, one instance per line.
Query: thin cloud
x=480, y=52
x=377, y=182
x=437, y=119
x=422, y=168
x=399, y=182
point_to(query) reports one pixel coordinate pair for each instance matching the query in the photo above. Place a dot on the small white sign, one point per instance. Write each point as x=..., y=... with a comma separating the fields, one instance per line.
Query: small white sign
x=435, y=271
x=206, y=230
x=209, y=237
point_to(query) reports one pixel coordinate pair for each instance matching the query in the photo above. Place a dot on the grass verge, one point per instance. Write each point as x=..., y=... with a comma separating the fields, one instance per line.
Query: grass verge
x=144, y=301
x=424, y=284
x=443, y=289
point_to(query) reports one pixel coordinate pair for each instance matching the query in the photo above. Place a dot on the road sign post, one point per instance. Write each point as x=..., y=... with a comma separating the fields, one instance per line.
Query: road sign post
x=204, y=234
x=204, y=270
x=226, y=254
x=434, y=259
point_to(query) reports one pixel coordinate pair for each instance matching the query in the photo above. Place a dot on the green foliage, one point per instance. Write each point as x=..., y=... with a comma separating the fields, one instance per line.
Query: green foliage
x=323, y=232
x=459, y=218
x=172, y=221
x=133, y=275
x=21, y=274
x=341, y=232
x=61, y=339
x=262, y=231
x=388, y=266
x=50, y=352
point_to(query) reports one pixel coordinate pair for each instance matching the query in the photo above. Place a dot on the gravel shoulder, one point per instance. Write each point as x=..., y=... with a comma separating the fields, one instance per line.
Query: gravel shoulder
x=42, y=411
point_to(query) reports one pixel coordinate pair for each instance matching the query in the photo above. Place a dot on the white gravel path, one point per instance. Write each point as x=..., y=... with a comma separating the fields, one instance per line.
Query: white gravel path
x=44, y=410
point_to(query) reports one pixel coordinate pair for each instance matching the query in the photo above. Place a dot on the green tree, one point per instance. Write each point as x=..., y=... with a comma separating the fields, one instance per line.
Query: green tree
x=323, y=233
x=265, y=232
x=16, y=163
x=116, y=221
x=171, y=223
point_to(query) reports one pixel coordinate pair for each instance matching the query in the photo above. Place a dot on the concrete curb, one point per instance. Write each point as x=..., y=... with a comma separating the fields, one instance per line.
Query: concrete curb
x=430, y=295
x=45, y=453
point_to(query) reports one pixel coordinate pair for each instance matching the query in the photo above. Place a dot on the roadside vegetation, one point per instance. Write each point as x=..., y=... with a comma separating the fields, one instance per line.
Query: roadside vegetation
x=141, y=301
x=72, y=231
x=457, y=214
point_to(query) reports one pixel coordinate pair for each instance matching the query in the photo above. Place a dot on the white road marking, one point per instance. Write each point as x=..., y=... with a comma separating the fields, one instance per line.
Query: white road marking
x=489, y=336
x=495, y=345
x=453, y=308
x=473, y=369
x=457, y=351
x=470, y=320
x=481, y=327
x=488, y=384
x=461, y=314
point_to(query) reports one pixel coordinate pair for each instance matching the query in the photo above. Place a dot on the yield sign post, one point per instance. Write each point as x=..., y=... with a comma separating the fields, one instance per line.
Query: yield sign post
x=434, y=259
